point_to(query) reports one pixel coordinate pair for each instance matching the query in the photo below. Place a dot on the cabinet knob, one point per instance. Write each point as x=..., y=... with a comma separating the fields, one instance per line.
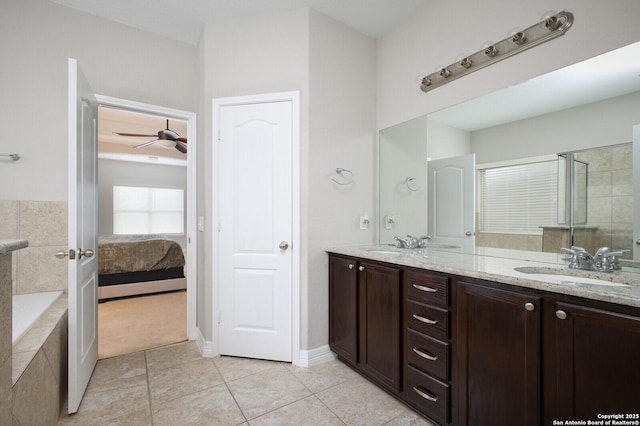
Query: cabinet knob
x=530, y=306
x=351, y=266
x=360, y=268
x=561, y=314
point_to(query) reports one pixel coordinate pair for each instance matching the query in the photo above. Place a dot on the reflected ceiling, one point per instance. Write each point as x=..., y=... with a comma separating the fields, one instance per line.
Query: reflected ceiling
x=606, y=76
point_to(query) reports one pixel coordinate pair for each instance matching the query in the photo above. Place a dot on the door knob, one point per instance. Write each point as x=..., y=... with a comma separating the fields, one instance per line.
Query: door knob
x=84, y=253
x=638, y=241
x=62, y=254
x=561, y=314
x=529, y=306
x=284, y=245
x=468, y=233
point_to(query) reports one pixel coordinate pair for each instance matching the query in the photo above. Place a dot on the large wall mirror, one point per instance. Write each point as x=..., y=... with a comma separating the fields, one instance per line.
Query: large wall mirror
x=565, y=137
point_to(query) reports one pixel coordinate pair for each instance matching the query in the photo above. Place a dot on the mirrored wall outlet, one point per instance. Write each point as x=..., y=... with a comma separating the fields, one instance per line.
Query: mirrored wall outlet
x=389, y=221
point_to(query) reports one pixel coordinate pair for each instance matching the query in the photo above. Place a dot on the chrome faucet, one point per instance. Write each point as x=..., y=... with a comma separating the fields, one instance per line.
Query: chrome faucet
x=603, y=261
x=412, y=242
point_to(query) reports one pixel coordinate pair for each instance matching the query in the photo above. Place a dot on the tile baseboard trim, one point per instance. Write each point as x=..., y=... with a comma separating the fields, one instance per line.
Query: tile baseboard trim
x=316, y=356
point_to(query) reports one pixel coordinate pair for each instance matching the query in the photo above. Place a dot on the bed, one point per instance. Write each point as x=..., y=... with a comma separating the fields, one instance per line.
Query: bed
x=138, y=264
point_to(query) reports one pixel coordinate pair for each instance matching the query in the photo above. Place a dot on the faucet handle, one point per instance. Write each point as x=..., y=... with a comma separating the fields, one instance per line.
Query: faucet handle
x=610, y=260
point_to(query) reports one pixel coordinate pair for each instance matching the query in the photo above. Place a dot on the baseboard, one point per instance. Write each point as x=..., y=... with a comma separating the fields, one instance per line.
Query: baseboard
x=205, y=347
x=316, y=356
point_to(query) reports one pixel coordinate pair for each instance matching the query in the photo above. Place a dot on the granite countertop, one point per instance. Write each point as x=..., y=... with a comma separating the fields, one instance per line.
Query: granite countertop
x=7, y=246
x=499, y=265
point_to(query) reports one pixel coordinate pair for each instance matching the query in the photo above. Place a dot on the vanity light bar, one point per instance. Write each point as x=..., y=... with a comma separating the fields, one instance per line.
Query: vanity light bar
x=545, y=30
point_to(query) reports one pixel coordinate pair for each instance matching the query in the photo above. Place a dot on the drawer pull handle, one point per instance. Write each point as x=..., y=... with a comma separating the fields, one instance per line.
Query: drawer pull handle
x=425, y=355
x=425, y=395
x=423, y=288
x=425, y=320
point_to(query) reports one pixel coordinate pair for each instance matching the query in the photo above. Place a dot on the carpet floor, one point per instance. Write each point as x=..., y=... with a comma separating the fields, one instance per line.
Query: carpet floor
x=139, y=323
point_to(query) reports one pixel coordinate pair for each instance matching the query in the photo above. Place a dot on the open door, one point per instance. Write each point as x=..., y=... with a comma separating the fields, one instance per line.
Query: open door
x=451, y=201
x=83, y=235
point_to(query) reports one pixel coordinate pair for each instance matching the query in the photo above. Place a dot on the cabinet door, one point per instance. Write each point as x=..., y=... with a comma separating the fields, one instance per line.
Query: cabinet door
x=595, y=356
x=379, y=312
x=343, y=308
x=498, y=356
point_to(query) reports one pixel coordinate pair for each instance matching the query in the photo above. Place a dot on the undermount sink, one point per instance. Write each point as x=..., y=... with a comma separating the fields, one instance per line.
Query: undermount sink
x=381, y=251
x=557, y=277
x=571, y=280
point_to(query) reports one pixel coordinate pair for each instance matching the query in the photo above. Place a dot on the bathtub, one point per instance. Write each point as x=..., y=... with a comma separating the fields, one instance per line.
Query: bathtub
x=27, y=308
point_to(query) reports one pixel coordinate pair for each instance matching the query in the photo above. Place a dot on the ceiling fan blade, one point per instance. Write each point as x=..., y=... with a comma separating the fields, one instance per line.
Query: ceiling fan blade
x=183, y=140
x=142, y=145
x=135, y=135
x=181, y=147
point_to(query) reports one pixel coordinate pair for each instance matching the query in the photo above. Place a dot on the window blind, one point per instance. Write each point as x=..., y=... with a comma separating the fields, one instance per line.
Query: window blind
x=518, y=199
x=144, y=210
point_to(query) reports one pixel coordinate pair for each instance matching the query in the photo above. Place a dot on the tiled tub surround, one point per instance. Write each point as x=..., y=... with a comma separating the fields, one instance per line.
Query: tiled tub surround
x=498, y=265
x=33, y=372
x=44, y=225
x=39, y=372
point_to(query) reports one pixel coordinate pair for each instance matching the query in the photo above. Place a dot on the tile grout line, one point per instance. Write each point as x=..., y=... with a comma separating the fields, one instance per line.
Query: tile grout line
x=146, y=368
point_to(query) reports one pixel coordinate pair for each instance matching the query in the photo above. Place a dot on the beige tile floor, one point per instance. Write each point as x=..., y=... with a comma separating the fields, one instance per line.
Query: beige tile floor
x=175, y=385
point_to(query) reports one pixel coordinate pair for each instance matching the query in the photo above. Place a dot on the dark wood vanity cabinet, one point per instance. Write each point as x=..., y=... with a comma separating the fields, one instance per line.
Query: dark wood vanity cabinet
x=591, y=361
x=343, y=312
x=427, y=349
x=498, y=346
x=379, y=323
x=465, y=351
x=364, y=318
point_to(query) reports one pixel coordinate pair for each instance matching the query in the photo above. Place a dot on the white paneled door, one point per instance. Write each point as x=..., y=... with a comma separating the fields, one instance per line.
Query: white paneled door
x=451, y=201
x=83, y=235
x=255, y=229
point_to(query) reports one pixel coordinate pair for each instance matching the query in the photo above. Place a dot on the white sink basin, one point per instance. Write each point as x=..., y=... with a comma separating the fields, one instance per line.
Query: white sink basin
x=572, y=280
x=381, y=251
x=556, y=276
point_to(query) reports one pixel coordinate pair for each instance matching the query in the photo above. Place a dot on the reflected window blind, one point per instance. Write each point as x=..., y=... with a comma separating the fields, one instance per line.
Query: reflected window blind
x=518, y=199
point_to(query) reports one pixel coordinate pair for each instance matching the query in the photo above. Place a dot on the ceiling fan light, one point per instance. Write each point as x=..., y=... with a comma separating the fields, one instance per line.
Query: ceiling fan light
x=166, y=143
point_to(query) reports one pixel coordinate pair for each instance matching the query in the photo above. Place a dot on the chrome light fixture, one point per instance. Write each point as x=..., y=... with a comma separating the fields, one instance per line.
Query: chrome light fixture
x=545, y=30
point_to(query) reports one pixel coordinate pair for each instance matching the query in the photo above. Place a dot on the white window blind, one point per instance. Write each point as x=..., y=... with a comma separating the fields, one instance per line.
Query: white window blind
x=518, y=199
x=144, y=210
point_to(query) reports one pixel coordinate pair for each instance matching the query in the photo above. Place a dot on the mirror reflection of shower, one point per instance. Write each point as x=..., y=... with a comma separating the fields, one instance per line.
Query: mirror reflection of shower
x=595, y=197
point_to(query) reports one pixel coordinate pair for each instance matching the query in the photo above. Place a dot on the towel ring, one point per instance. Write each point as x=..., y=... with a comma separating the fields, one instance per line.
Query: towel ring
x=411, y=184
x=348, y=179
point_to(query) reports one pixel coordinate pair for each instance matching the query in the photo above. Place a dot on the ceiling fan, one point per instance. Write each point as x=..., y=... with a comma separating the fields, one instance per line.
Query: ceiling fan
x=172, y=139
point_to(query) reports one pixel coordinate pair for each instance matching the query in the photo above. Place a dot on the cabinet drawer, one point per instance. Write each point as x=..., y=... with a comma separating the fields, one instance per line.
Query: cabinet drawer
x=428, y=395
x=429, y=320
x=428, y=355
x=426, y=288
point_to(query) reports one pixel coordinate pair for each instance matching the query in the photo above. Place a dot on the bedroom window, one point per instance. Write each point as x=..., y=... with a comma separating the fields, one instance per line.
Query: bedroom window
x=518, y=199
x=144, y=210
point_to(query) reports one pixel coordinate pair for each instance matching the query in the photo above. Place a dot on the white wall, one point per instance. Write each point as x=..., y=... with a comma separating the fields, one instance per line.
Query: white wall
x=307, y=52
x=443, y=30
x=113, y=172
x=37, y=37
x=255, y=55
x=341, y=134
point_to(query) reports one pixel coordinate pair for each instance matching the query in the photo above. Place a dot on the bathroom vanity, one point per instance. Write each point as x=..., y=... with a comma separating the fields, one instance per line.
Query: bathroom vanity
x=466, y=339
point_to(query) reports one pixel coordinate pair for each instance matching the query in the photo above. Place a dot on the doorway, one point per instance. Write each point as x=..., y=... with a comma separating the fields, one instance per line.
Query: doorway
x=147, y=186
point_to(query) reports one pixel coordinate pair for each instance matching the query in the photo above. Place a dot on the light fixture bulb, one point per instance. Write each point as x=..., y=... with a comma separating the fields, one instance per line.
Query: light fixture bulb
x=465, y=62
x=491, y=51
x=519, y=38
x=444, y=72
